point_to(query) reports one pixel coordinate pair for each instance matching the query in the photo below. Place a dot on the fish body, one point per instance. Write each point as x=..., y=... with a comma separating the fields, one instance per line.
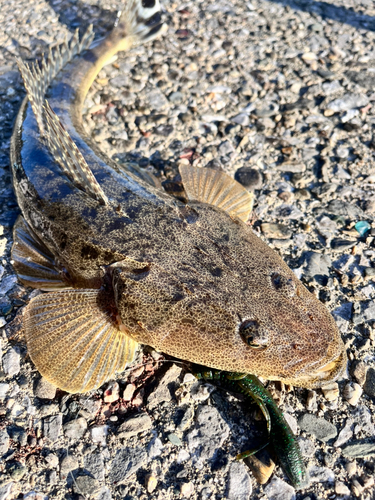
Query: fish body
x=125, y=263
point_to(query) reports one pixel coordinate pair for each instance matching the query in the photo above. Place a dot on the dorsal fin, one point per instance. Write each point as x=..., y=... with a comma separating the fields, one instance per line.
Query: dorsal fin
x=37, y=79
x=218, y=189
x=69, y=156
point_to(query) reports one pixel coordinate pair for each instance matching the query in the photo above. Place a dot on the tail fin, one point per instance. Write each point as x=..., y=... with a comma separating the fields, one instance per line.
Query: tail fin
x=141, y=19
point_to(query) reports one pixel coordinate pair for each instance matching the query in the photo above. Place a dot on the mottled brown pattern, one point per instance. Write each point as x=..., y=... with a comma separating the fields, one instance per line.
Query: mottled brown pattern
x=182, y=278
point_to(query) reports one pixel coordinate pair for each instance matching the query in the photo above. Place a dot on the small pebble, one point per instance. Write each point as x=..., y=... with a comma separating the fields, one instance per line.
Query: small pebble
x=249, y=177
x=369, y=387
x=209, y=433
x=273, y=230
x=341, y=489
x=75, y=429
x=277, y=489
x=241, y=119
x=112, y=392
x=291, y=167
x=4, y=388
x=52, y=427
x=345, y=434
x=125, y=463
x=308, y=448
x=348, y=101
x=352, y=393
x=151, y=483
x=4, y=442
x=52, y=460
x=359, y=450
x=67, y=464
x=11, y=362
x=174, y=439
x=129, y=392
x=331, y=392
x=134, y=425
x=187, y=489
x=358, y=371
x=44, y=389
x=340, y=244
x=164, y=391
x=351, y=468
x=239, y=483
x=99, y=434
x=319, y=427
x=311, y=403
x=321, y=475
x=270, y=110
x=86, y=485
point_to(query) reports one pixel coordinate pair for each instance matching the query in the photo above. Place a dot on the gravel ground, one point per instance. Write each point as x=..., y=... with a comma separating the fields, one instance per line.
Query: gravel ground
x=281, y=95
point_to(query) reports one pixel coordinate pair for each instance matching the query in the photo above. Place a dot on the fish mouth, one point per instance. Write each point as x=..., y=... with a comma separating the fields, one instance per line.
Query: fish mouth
x=325, y=374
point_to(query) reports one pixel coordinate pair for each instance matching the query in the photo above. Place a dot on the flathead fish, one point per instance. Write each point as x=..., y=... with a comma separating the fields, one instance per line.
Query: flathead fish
x=126, y=264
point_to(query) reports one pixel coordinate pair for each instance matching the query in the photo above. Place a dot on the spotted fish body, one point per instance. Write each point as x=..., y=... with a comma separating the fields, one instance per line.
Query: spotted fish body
x=124, y=263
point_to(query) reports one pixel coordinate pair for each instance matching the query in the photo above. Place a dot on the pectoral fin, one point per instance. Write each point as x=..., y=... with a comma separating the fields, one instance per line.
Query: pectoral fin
x=74, y=340
x=218, y=189
x=34, y=263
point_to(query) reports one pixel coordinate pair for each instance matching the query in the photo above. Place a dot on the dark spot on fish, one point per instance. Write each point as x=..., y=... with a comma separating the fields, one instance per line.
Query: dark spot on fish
x=177, y=297
x=216, y=271
x=89, y=252
x=186, y=321
x=63, y=242
x=192, y=217
x=283, y=284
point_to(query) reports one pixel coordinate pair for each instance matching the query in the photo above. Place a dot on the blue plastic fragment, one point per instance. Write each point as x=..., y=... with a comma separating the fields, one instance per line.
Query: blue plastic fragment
x=362, y=227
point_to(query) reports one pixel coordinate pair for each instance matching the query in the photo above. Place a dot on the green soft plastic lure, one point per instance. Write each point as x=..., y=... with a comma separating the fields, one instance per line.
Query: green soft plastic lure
x=281, y=436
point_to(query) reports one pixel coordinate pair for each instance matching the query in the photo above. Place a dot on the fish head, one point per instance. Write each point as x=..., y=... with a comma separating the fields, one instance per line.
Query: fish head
x=245, y=312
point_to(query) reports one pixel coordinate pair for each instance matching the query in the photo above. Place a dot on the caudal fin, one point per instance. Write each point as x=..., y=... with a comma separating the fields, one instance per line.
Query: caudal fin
x=142, y=20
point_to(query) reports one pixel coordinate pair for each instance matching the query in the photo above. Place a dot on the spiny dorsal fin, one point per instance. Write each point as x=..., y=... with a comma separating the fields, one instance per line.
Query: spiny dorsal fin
x=37, y=79
x=218, y=189
x=74, y=341
x=69, y=156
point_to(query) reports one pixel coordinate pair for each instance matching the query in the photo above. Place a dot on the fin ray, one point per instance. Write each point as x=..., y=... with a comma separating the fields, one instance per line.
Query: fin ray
x=34, y=263
x=82, y=353
x=218, y=189
x=69, y=157
x=37, y=78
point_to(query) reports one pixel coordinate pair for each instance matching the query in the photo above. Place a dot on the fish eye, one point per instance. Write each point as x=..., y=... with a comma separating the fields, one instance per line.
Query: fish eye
x=284, y=285
x=253, y=334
